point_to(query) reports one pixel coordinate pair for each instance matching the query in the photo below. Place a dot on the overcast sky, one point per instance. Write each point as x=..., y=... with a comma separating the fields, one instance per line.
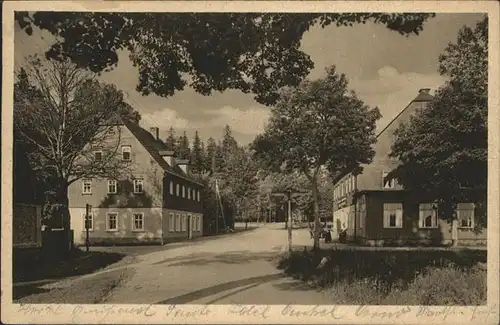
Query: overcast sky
x=384, y=68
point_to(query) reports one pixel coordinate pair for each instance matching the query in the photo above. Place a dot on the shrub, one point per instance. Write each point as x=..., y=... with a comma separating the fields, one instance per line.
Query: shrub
x=445, y=286
x=360, y=292
x=392, y=277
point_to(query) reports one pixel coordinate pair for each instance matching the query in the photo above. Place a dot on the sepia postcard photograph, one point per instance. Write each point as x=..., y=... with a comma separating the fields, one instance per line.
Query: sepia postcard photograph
x=250, y=162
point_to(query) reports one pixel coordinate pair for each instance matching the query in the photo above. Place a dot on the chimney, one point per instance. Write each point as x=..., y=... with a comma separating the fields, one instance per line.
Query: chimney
x=424, y=91
x=168, y=156
x=183, y=164
x=155, y=132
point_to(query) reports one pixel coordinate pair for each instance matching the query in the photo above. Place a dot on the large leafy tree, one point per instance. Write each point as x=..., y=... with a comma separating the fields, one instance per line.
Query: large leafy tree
x=315, y=125
x=63, y=115
x=256, y=53
x=444, y=147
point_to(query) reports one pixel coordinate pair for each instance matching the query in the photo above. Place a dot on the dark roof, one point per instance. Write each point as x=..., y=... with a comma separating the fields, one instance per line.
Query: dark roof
x=154, y=146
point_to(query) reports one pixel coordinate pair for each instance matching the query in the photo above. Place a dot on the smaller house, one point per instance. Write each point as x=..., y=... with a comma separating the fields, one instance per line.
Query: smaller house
x=157, y=204
x=376, y=210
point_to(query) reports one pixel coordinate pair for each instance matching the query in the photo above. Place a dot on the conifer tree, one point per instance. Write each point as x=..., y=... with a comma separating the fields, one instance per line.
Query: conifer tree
x=171, y=141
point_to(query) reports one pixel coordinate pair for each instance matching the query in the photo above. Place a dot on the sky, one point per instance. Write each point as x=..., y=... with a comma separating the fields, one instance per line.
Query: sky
x=384, y=68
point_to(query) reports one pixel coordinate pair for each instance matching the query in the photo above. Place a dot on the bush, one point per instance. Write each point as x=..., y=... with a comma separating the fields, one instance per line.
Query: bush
x=445, y=286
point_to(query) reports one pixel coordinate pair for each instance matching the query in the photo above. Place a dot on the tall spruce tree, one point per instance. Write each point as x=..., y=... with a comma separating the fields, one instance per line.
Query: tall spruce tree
x=209, y=161
x=183, y=151
x=171, y=141
x=197, y=154
x=228, y=145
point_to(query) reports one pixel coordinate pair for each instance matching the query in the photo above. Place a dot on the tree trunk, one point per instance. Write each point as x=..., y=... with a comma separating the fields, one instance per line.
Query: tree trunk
x=63, y=201
x=316, y=215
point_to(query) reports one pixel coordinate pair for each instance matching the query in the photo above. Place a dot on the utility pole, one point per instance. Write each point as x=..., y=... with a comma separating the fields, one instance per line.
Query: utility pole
x=88, y=209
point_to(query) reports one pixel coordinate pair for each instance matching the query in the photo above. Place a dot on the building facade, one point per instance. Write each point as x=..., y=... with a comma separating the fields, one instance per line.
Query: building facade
x=157, y=202
x=376, y=210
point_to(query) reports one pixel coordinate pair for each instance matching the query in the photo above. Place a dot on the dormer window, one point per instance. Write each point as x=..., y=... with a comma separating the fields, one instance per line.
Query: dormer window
x=98, y=156
x=388, y=183
x=126, y=153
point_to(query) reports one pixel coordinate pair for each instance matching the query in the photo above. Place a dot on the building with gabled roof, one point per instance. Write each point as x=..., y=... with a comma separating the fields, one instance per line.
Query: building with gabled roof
x=376, y=210
x=157, y=203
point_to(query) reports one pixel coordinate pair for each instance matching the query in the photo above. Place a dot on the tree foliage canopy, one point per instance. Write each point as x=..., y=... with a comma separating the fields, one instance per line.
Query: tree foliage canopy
x=256, y=53
x=64, y=115
x=320, y=123
x=444, y=146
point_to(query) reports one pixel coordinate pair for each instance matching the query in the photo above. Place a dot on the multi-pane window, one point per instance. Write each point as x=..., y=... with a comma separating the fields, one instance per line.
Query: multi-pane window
x=98, y=156
x=393, y=215
x=126, y=153
x=171, y=188
x=89, y=221
x=183, y=223
x=112, y=221
x=465, y=215
x=428, y=215
x=387, y=182
x=112, y=186
x=138, y=185
x=87, y=186
x=171, y=222
x=177, y=222
x=138, y=222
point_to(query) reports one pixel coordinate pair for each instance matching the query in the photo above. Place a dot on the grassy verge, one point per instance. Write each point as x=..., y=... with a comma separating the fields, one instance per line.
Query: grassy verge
x=35, y=265
x=393, y=277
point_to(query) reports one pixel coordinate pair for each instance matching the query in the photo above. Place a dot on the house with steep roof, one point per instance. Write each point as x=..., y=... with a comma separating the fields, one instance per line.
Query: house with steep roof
x=157, y=203
x=376, y=210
